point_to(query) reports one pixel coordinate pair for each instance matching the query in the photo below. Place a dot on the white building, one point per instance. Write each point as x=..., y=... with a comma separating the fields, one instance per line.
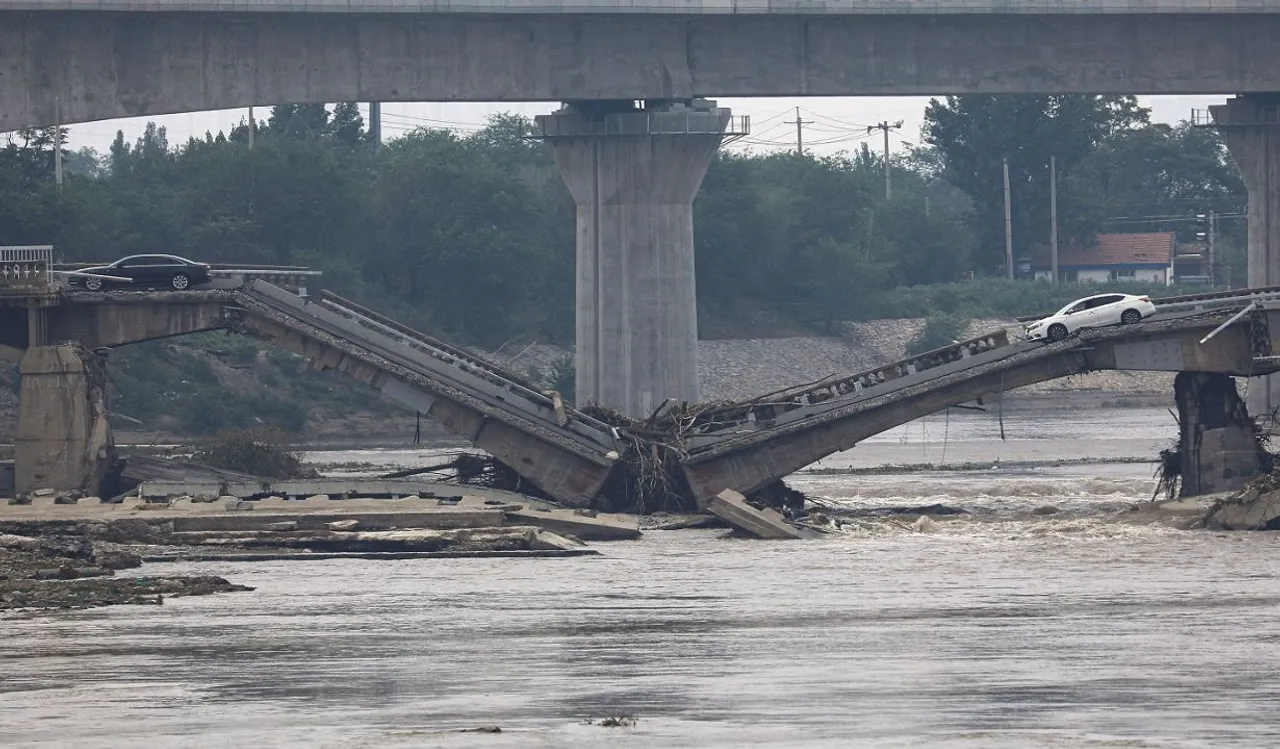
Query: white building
x=1146, y=258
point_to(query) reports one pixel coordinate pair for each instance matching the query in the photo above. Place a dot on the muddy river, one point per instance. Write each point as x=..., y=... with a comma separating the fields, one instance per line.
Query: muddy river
x=1002, y=629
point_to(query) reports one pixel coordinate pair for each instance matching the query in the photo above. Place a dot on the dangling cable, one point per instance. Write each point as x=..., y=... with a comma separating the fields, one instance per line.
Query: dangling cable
x=946, y=430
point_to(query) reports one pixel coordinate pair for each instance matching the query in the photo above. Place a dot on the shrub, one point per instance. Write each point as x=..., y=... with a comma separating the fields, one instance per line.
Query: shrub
x=256, y=452
x=939, y=330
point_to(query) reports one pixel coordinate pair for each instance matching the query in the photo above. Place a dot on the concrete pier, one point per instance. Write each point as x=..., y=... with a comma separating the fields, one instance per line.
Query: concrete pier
x=1220, y=452
x=1250, y=127
x=63, y=441
x=633, y=173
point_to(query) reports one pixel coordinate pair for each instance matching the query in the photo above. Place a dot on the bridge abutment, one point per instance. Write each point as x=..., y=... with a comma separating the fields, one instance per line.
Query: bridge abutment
x=63, y=441
x=1219, y=451
x=1250, y=127
x=633, y=173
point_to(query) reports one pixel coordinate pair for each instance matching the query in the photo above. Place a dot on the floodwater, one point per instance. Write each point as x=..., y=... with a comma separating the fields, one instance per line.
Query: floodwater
x=1003, y=629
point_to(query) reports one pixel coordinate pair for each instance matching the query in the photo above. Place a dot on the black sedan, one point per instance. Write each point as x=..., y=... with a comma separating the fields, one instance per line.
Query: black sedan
x=150, y=271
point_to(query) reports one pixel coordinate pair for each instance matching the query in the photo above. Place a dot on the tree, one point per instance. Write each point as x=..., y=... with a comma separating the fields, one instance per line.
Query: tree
x=346, y=125
x=299, y=121
x=973, y=134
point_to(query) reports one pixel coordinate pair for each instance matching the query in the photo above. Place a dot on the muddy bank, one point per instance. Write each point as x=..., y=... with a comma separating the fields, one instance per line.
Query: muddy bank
x=64, y=569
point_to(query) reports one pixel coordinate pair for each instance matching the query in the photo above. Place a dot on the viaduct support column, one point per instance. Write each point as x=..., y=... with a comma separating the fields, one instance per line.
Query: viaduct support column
x=1250, y=127
x=633, y=172
x=63, y=441
x=1219, y=450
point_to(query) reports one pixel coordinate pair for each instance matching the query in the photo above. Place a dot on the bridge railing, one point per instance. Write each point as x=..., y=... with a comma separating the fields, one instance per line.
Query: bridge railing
x=26, y=269
x=768, y=407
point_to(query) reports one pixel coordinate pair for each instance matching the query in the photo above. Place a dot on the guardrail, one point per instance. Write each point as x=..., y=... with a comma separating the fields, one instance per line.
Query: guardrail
x=770, y=406
x=26, y=268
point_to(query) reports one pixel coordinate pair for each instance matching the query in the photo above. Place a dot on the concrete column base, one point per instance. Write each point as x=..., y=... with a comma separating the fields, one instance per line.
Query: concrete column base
x=1219, y=449
x=1250, y=127
x=63, y=442
x=633, y=174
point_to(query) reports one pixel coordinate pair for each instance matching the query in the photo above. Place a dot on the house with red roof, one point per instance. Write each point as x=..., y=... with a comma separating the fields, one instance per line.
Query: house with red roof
x=1146, y=257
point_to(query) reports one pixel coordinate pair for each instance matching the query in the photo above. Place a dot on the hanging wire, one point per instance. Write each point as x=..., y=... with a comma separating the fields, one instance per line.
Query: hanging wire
x=946, y=431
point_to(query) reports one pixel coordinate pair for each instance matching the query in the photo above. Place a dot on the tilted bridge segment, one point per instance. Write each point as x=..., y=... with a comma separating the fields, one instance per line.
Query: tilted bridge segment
x=557, y=449
x=575, y=457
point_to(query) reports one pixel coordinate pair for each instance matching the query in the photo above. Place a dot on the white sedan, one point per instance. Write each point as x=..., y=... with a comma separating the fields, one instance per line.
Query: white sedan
x=1092, y=312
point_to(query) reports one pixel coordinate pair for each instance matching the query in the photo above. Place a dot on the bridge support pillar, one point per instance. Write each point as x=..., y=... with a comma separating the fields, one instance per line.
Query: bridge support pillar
x=63, y=441
x=633, y=172
x=1219, y=451
x=1250, y=127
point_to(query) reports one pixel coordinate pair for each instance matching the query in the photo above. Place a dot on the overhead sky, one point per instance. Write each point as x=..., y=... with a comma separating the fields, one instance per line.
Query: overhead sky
x=829, y=125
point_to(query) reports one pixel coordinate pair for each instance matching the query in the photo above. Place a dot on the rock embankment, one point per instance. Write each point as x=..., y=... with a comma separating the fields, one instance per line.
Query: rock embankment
x=736, y=369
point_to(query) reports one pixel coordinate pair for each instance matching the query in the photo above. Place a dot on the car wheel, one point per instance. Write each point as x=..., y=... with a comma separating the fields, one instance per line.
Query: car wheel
x=181, y=281
x=1131, y=317
x=93, y=284
x=1058, y=332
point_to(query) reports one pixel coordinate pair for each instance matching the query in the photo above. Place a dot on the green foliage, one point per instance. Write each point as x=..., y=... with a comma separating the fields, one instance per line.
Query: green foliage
x=974, y=134
x=939, y=330
x=472, y=237
x=192, y=387
x=255, y=452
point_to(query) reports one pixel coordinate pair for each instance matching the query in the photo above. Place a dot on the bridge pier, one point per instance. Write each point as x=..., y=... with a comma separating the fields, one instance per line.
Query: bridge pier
x=1250, y=127
x=1219, y=451
x=63, y=441
x=633, y=173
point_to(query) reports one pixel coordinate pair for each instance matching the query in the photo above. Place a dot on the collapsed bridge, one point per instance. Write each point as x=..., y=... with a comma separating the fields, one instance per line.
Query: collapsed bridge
x=682, y=456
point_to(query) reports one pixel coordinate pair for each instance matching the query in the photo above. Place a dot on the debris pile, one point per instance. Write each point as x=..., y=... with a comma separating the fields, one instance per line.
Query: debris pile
x=64, y=568
x=1256, y=508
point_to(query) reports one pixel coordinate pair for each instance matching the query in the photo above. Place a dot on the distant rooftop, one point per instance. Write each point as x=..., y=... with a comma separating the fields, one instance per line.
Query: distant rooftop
x=1114, y=250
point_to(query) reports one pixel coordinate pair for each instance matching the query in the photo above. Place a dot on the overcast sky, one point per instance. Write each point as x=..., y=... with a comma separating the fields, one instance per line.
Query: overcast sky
x=830, y=124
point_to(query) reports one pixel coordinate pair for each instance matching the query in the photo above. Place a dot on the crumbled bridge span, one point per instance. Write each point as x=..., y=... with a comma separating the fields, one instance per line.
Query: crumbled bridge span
x=562, y=452
x=748, y=446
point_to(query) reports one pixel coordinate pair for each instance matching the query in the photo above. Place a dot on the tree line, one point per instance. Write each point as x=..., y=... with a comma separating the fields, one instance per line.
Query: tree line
x=472, y=236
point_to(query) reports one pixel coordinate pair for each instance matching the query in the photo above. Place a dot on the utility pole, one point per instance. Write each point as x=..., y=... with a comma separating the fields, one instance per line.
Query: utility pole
x=886, y=127
x=1053, y=219
x=799, y=123
x=1008, y=225
x=251, y=127
x=375, y=123
x=1213, y=247
x=57, y=141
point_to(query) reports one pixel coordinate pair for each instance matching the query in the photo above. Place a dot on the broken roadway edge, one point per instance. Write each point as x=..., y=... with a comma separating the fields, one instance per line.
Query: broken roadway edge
x=315, y=513
x=307, y=556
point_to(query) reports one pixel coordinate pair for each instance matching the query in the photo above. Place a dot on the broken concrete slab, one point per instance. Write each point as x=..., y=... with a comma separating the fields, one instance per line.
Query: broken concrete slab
x=598, y=527
x=732, y=507
x=1250, y=510
x=545, y=540
x=476, y=539
x=316, y=556
x=261, y=519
